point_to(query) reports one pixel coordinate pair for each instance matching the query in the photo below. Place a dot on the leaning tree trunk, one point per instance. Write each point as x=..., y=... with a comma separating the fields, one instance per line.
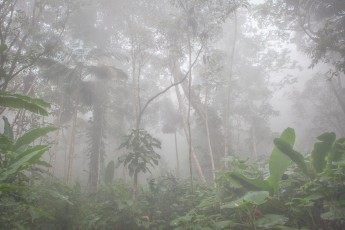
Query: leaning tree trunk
x=185, y=128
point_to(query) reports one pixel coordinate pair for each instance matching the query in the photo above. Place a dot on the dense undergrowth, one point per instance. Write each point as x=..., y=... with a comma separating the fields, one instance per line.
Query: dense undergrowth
x=290, y=191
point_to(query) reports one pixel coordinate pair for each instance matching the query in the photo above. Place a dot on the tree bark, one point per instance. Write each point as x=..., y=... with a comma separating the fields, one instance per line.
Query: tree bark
x=177, y=158
x=210, y=151
x=185, y=128
x=227, y=103
x=71, y=150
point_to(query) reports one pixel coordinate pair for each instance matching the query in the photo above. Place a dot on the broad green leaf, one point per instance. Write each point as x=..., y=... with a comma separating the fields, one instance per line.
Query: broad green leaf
x=223, y=224
x=5, y=143
x=292, y=154
x=251, y=183
x=337, y=152
x=3, y=48
x=8, y=129
x=4, y=187
x=37, y=213
x=109, y=172
x=333, y=214
x=256, y=198
x=279, y=162
x=23, y=102
x=31, y=136
x=321, y=150
x=23, y=159
x=271, y=220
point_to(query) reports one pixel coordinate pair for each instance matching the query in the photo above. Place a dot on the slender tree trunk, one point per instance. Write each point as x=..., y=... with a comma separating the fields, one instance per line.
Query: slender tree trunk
x=53, y=153
x=177, y=158
x=97, y=146
x=185, y=128
x=227, y=103
x=339, y=97
x=209, y=141
x=254, y=148
x=135, y=186
x=188, y=114
x=71, y=150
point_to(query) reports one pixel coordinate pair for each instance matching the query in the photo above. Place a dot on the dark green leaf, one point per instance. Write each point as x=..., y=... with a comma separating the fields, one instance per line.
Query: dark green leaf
x=31, y=136
x=337, y=151
x=8, y=129
x=251, y=183
x=256, y=198
x=23, y=102
x=321, y=150
x=279, y=162
x=24, y=158
x=3, y=48
x=271, y=220
x=292, y=154
x=109, y=172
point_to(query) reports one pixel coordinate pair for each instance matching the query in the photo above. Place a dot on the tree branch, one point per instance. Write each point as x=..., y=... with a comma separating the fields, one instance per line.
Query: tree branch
x=169, y=87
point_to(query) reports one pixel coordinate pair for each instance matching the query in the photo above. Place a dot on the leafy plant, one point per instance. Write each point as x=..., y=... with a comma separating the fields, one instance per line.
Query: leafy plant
x=141, y=153
x=16, y=156
x=278, y=164
x=19, y=101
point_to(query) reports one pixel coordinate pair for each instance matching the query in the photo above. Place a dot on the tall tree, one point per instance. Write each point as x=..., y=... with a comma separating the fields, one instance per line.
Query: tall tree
x=29, y=30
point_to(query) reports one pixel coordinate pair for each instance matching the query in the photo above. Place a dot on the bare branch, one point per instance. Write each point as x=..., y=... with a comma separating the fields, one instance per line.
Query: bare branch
x=169, y=87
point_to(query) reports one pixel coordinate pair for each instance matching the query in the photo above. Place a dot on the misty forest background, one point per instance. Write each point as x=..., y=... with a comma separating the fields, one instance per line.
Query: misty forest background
x=114, y=108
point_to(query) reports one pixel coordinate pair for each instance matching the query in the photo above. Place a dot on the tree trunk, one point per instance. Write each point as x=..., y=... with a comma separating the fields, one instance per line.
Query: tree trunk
x=185, y=128
x=227, y=103
x=339, y=97
x=96, y=147
x=254, y=148
x=209, y=141
x=71, y=150
x=135, y=186
x=177, y=158
x=53, y=153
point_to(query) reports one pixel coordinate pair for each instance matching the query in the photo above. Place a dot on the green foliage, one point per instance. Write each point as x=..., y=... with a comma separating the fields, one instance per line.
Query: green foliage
x=19, y=101
x=16, y=157
x=254, y=198
x=279, y=162
x=255, y=184
x=305, y=201
x=109, y=173
x=321, y=150
x=141, y=152
x=271, y=220
x=295, y=156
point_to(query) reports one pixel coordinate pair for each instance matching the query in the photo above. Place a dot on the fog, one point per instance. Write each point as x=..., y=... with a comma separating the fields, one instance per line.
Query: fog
x=200, y=93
